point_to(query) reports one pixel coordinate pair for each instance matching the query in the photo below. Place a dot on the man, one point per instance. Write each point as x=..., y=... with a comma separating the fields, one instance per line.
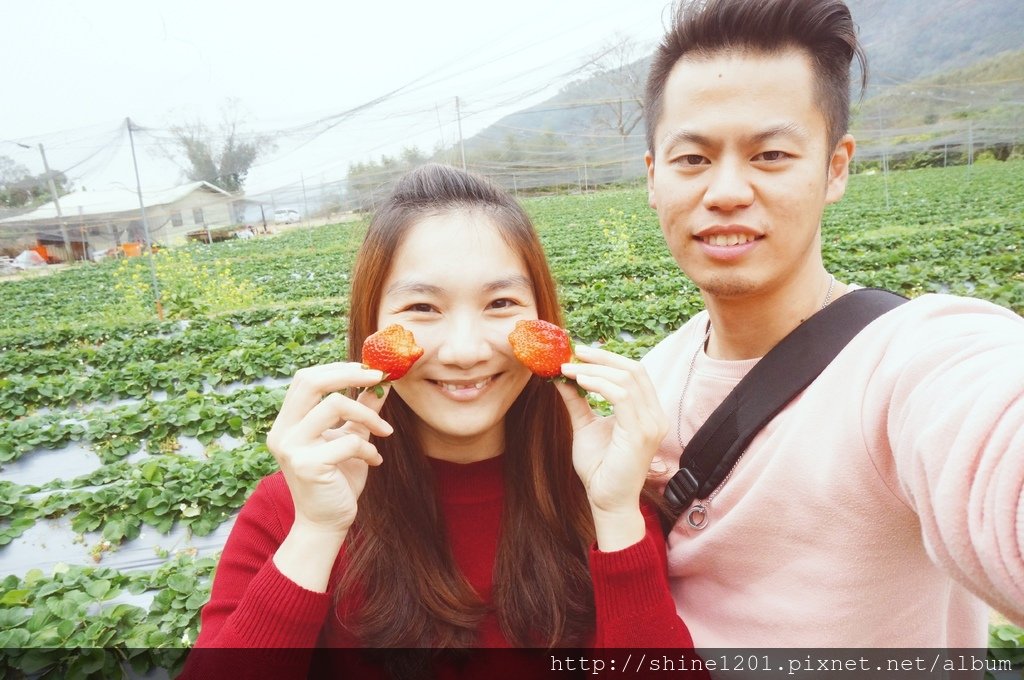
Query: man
x=884, y=504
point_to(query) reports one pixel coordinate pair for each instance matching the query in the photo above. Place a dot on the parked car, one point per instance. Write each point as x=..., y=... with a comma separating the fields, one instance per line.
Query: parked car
x=286, y=216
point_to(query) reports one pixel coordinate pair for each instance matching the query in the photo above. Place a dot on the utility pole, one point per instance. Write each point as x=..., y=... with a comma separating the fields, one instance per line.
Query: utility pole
x=885, y=156
x=305, y=210
x=145, y=226
x=305, y=202
x=462, y=149
x=85, y=237
x=56, y=203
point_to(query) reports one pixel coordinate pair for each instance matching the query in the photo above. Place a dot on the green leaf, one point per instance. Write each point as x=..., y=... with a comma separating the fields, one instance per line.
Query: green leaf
x=151, y=471
x=83, y=522
x=14, y=638
x=66, y=628
x=180, y=583
x=137, y=587
x=34, y=575
x=98, y=589
x=196, y=600
x=38, y=659
x=13, y=617
x=15, y=597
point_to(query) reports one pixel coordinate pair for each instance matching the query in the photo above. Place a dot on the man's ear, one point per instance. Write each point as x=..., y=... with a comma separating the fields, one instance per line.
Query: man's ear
x=839, y=168
x=649, y=162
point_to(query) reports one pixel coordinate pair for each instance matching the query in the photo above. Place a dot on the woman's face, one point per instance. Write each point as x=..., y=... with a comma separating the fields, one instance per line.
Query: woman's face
x=459, y=288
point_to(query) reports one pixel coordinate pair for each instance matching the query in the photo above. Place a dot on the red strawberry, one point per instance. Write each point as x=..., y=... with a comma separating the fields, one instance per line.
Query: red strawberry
x=392, y=350
x=541, y=346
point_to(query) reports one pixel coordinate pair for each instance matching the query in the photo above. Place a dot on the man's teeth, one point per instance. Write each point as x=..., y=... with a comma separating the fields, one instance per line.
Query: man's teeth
x=455, y=388
x=728, y=239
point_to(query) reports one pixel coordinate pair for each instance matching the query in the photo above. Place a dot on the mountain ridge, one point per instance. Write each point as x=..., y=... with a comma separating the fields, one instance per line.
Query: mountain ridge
x=905, y=42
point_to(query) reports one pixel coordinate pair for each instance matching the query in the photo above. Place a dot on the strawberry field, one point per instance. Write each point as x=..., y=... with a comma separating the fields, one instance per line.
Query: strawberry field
x=127, y=443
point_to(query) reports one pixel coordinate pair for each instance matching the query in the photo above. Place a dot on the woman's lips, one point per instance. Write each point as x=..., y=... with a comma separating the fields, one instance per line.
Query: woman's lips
x=464, y=390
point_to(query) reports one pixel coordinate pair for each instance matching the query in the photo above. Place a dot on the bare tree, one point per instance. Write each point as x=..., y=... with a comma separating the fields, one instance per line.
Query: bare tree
x=621, y=67
x=618, y=71
x=223, y=156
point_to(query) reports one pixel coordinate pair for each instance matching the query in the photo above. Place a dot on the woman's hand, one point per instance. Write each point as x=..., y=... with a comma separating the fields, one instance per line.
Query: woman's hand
x=612, y=454
x=321, y=442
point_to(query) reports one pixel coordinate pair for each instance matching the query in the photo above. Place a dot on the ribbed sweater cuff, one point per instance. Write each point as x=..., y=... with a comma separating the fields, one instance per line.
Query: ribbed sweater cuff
x=277, y=612
x=629, y=581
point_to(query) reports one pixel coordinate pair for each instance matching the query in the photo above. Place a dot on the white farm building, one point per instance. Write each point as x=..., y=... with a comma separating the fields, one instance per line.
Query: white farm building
x=96, y=221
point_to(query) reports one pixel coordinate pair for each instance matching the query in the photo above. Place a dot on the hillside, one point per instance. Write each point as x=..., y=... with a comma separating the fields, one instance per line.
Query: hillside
x=946, y=83
x=979, y=107
x=912, y=39
x=940, y=46
x=990, y=90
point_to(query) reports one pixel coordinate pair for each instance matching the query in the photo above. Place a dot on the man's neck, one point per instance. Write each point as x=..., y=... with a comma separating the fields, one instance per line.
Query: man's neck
x=748, y=327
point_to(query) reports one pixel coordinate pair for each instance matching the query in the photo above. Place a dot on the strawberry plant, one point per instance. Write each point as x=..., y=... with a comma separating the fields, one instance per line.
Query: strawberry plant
x=68, y=349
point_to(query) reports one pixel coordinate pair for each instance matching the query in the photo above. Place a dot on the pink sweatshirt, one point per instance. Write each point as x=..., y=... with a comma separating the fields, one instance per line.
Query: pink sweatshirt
x=879, y=506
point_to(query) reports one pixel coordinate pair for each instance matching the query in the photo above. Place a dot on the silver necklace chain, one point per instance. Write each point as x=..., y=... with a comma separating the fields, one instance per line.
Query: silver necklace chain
x=697, y=517
x=828, y=294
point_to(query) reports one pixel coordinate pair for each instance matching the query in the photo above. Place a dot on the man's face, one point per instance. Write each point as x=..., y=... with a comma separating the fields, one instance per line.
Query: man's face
x=741, y=172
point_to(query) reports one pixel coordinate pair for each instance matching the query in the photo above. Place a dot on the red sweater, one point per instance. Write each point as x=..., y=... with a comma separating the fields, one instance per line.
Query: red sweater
x=253, y=605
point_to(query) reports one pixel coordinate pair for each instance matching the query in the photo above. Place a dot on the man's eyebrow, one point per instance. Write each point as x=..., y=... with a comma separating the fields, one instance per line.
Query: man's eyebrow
x=686, y=136
x=782, y=130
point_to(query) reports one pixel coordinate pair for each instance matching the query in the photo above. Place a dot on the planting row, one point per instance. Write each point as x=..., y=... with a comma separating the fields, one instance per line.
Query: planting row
x=115, y=501
x=246, y=311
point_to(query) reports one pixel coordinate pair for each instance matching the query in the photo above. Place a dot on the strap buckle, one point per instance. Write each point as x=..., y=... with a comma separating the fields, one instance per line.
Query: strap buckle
x=681, y=489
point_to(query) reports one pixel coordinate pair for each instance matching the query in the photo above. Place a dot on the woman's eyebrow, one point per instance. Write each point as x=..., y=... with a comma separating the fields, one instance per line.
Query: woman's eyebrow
x=413, y=287
x=406, y=287
x=511, y=281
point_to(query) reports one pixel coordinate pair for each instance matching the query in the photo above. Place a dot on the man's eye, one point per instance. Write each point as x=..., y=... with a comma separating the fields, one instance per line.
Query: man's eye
x=691, y=159
x=771, y=155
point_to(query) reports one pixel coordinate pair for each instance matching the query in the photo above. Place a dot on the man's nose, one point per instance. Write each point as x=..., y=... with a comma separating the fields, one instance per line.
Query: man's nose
x=729, y=186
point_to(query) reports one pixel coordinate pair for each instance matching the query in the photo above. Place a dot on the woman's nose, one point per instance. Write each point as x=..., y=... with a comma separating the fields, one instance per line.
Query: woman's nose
x=465, y=343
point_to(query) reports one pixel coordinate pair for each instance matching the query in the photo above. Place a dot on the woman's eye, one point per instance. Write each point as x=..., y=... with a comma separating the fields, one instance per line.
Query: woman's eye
x=420, y=307
x=503, y=303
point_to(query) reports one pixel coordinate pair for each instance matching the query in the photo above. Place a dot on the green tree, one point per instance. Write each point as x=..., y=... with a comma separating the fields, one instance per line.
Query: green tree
x=20, y=189
x=370, y=182
x=222, y=156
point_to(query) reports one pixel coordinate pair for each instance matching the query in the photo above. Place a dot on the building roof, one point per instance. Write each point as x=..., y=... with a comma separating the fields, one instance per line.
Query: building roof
x=110, y=201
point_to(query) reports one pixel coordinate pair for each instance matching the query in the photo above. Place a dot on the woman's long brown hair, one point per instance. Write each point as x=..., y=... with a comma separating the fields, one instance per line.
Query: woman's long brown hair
x=401, y=586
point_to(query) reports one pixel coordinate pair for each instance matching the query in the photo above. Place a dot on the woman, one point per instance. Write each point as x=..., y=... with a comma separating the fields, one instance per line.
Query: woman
x=448, y=514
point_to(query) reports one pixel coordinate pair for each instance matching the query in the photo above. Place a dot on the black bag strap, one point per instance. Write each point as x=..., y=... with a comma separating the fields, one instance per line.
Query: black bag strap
x=773, y=382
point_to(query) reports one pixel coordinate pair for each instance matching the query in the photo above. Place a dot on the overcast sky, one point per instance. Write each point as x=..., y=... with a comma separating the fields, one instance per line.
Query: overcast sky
x=75, y=71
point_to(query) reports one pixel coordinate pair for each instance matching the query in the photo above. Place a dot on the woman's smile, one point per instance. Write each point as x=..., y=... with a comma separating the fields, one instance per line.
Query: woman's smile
x=465, y=390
